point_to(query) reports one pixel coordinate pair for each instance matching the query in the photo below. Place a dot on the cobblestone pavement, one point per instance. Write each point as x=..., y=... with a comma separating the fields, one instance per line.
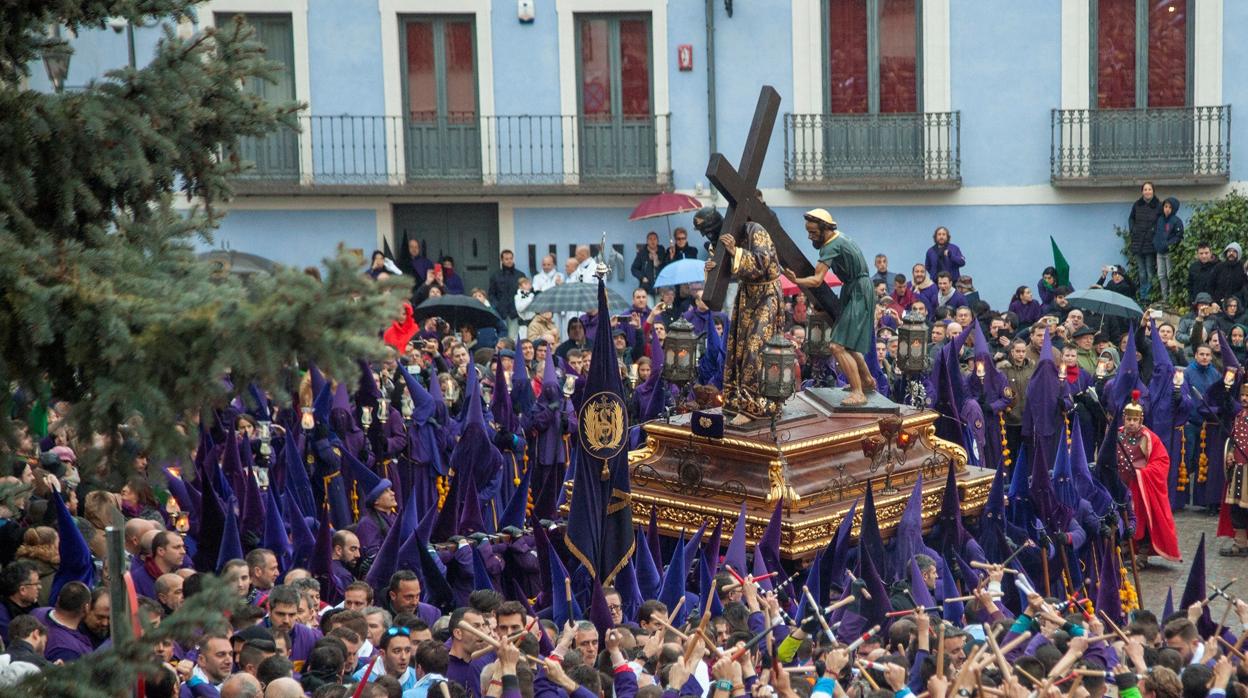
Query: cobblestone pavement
x=1218, y=570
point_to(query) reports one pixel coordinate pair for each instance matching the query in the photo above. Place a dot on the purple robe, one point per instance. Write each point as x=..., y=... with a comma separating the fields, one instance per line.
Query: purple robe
x=341, y=573
x=302, y=640
x=551, y=417
x=64, y=643
x=144, y=583
x=428, y=613
x=388, y=440
x=370, y=531
x=936, y=261
x=467, y=674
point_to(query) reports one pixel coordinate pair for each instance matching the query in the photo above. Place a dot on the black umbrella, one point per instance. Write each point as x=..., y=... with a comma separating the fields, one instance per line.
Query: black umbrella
x=573, y=297
x=240, y=263
x=458, y=311
x=1105, y=302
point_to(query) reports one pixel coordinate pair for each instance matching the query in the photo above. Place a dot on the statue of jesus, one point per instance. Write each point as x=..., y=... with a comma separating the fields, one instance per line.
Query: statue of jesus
x=851, y=335
x=756, y=317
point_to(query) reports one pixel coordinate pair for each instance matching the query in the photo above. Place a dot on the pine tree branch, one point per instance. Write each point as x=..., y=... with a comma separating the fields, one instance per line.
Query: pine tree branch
x=114, y=672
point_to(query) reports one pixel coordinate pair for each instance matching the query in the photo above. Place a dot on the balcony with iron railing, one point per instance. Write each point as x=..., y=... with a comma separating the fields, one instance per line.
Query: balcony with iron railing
x=459, y=154
x=854, y=152
x=1116, y=147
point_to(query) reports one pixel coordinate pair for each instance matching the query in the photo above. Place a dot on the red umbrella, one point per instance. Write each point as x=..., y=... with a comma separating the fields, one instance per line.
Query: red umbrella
x=789, y=288
x=664, y=204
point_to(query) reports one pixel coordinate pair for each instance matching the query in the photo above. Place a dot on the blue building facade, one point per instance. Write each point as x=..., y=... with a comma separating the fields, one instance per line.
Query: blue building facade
x=482, y=125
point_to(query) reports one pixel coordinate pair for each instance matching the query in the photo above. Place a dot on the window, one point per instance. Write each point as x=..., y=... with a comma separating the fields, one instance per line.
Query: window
x=614, y=67
x=872, y=53
x=441, y=69
x=617, y=137
x=1142, y=53
x=277, y=154
x=440, y=82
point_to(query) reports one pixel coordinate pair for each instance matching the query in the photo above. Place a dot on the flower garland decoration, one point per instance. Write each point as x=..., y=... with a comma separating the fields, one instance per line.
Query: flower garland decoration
x=444, y=488
x=1130, y=599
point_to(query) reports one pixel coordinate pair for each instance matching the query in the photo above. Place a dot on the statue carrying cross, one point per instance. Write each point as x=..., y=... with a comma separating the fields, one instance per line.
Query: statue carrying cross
x=754, y=248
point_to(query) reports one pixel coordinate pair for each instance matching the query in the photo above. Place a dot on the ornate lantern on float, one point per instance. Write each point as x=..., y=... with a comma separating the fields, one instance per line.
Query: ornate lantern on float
x=680, y=350
x=818, y=336
x=912, y=346
x=779, y=363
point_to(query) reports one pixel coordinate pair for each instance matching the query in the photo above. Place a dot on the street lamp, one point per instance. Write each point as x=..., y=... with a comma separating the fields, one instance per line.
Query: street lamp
x=56, y=56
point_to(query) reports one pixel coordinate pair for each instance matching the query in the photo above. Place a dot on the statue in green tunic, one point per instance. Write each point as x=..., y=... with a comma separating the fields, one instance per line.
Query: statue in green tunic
x=852, y=335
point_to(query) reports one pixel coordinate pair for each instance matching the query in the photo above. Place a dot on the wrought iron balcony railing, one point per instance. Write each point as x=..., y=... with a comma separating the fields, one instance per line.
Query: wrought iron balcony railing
x=460, y=154
x=1111, y=147
x=826, y=152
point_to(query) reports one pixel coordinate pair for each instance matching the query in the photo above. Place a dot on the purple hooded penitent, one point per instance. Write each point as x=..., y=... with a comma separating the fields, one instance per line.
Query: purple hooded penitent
x=735, y=557
x=870, y=542
x=1196, y=590
x=648, y=578
x=769, y=544
x=673, y=587
x=908, y=540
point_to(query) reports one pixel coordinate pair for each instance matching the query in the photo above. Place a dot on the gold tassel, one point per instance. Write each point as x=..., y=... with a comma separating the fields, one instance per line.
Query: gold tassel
x=1005, y=444
x=1183, y=479
x=1202, y=462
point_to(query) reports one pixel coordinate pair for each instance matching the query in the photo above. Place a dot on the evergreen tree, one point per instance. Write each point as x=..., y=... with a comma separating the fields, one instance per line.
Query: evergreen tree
x=102, y=300
x=115, y=671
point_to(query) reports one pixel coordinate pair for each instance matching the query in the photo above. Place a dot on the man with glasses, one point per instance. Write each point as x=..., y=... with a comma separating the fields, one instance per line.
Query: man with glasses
x=614, y=605
x=19, y=593
x=396, y=657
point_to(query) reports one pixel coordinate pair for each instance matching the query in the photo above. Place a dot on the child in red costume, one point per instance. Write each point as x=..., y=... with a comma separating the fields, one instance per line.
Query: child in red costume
x=1144, y=465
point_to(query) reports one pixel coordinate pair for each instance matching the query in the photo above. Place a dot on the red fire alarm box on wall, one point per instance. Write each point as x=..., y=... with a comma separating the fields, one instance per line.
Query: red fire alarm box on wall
x=684, y=56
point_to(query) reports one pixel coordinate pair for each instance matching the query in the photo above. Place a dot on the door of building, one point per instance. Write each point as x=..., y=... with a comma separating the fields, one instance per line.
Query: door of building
x=276, y=154
x=440, y=84
x=616, y=111
x=466, y=232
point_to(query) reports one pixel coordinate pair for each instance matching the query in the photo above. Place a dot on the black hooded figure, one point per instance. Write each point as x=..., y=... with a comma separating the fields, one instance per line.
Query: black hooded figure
x=708, y=222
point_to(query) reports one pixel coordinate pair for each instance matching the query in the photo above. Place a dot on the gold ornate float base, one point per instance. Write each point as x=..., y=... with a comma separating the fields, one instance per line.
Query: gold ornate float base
x=813, y=460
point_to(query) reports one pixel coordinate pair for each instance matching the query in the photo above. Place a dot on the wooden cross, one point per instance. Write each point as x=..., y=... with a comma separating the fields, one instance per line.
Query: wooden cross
x=745, y=204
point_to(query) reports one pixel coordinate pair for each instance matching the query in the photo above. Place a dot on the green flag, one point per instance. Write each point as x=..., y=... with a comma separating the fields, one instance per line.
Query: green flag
x=1060, y=264
x=37, y=420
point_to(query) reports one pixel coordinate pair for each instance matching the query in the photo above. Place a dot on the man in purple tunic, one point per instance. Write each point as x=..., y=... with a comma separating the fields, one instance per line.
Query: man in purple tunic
x=168, y=553
x=346, y=553
x=377, y=515
x=283, y=613
x=404, y=597
x=461, y=669
x=66, y=640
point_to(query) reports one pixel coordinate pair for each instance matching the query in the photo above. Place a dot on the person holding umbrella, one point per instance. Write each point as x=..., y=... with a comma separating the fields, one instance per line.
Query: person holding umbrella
x=681, y=249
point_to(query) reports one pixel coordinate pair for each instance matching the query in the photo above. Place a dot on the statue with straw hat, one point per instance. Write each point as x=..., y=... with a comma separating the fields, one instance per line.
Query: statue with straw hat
x=852, y=335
